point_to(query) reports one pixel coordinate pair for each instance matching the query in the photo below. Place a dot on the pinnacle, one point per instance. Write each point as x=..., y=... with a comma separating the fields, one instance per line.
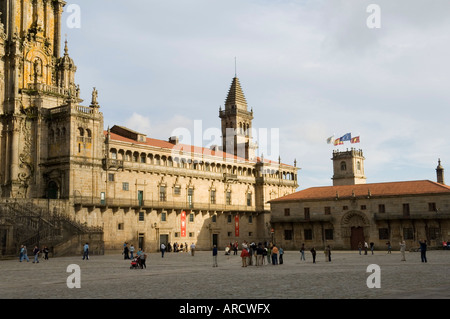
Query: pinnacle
x=236, y=96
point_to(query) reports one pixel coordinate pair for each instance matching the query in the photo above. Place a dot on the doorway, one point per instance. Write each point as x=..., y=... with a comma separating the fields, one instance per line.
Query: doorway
x=215, y=240
x=163, y=239
x=52, y=190
x=357, y=236
x=141, y=241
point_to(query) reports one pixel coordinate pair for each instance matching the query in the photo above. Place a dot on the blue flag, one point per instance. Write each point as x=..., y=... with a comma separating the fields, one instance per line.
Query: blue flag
x=346, y=137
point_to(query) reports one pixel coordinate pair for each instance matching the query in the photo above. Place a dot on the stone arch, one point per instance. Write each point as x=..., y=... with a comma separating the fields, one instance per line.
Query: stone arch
x=354, y=228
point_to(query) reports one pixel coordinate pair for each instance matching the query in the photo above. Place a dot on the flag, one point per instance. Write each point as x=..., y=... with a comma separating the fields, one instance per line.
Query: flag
x=355, y=140
x=346, y=137
x=338, y=141
x=330, y=140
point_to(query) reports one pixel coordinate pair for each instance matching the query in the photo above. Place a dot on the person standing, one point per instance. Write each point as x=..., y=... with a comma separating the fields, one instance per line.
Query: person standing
x=45, y=251
x=126, y=252
x=86, y=251
x=259, y=255
x=131, y=251
x=423, y=250
x=389, y=246
x=402, y=250
x=360, y=247
x=274, y=255
x=21, y=253
x=163, y=250
x=372, y=246
x=192, y=249
x=313, y=253
x=214, y=254
x=366, y=247
x=302, y=252
x=244, y=255
x=281, y=252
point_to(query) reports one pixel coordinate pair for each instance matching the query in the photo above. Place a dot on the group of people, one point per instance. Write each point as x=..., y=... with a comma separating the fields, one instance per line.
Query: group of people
x=23, y=253
x=256, y=255
x=366, y=247
x=326, y=251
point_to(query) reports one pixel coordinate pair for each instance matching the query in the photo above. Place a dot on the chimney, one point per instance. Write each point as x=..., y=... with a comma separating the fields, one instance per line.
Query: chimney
x=440, y=173
x=173, y=140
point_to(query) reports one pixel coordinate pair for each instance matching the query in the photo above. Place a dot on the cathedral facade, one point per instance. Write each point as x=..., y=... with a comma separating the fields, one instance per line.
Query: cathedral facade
x=137, y=189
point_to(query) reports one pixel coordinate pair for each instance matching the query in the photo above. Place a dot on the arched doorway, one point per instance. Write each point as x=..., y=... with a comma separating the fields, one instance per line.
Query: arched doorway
x=353, y=227
x=52, y=190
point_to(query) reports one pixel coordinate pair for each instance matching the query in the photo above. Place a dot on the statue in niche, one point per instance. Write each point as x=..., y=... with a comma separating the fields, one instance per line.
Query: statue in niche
x=94, y=102
x=37, y=69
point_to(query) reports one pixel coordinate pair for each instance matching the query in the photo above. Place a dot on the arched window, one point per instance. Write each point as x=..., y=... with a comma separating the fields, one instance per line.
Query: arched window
x=343, y=166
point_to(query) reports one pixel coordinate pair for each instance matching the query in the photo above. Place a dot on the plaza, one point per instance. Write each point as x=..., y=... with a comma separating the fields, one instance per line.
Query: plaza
x=180, y=276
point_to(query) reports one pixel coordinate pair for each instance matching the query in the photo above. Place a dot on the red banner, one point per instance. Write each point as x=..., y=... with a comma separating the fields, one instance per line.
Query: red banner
x=183, y=223
x=236, y=225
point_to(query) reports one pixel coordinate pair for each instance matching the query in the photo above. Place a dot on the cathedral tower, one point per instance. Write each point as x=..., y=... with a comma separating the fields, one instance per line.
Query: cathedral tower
x=348, y=167
x=39, y=111
x=237, y=124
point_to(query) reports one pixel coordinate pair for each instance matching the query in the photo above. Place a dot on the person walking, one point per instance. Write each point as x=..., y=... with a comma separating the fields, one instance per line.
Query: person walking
x=402, y=250
x=372, y=246
x=86, y=251
x=163, y=250
x=142, y=259
x=45, y=251
x=36, y=255
x=302, y=252
x=360, y=247
x=366, y=247
x=214, y=254
x=389, y=246
x=192, y=249
x=313, y=253
x=423, y=250
x=21, y=253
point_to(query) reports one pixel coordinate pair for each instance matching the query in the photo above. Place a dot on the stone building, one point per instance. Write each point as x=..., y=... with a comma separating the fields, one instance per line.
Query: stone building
x=351, y=211
x=137, y=189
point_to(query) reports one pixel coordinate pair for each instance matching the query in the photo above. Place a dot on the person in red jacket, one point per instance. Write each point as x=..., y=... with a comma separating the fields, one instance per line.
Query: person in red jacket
x=244, y=256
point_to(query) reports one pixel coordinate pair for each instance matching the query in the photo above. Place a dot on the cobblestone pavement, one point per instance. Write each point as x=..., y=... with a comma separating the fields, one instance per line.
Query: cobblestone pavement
x=182, y=276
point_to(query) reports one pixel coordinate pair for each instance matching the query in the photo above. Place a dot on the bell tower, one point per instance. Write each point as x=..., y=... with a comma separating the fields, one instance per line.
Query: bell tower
x=237, y=124
x=348, y=167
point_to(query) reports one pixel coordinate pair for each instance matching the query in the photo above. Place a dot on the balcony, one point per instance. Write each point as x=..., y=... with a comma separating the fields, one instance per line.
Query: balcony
x=84, y=201
x=412, y=216
x=302, y=219
x=109, y=163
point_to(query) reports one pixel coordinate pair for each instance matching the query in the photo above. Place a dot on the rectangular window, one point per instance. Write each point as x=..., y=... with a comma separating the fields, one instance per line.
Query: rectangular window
x=141, y=216
x=125, y=186
x=229, y=219
x=329, y=234
x=163, y=217
x=405, y=210
x=306, y=210
x=383, y=233
x=228, y=198
x=177, y=234
x=190, y=198
x=249, y=199
x=432, y=207
x=308, y=234
x=191, y=218
x=214, y=218
x=120, y=226
x=344, y=207
x=433, y=233
x=381, y=208
x=177, y=190
x=250, y=219
x=408, y=233
x=213, y=196
x=287, y=212
x=162, y=193
x=288, y=234
x=191, y=234
x=110, y=177
x=327, y=210
x=363, y=207
x=143, y=158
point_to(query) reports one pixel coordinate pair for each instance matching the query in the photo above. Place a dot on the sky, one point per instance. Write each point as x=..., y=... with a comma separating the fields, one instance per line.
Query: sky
x=309, y=69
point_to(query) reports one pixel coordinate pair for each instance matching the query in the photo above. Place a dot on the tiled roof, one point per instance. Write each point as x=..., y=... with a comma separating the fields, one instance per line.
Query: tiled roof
x=185, y=148
x=420, y=187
